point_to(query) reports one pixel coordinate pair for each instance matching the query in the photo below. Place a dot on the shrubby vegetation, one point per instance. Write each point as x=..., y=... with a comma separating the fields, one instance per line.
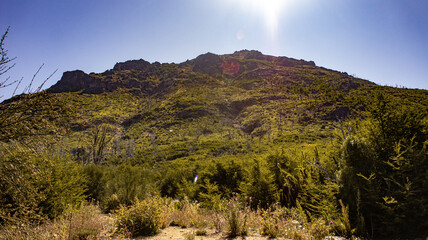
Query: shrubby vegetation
x=326, y=155
x=373, y=185
x=383, y=178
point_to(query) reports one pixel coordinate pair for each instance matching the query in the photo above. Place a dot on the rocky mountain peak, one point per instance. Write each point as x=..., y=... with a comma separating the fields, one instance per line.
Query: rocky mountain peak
x=208, y=63
x=140, y=65
x=250, y=54
x=77, y=80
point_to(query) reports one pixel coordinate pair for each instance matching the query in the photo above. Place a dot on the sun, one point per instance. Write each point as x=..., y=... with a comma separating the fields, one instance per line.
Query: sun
x=270, y=10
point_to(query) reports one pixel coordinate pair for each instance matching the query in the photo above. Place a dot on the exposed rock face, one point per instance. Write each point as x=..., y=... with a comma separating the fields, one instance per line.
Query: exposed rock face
x=290, y=62
x=249, y=68
x=208, y=63
x=250, y=54
x=139, y=65
x=77, y=80
x=282, y=61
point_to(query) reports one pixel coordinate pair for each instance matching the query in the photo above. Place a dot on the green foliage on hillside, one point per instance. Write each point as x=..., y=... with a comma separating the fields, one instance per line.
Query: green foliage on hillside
x=342, y=152
x=35, y=184
x=384, y=170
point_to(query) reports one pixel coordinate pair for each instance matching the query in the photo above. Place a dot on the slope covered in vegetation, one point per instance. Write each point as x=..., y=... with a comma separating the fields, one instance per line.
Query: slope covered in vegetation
x=274, y=131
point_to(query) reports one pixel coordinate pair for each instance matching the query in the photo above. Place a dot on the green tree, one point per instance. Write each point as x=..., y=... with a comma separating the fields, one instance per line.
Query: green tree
x=35, y=185
x=259, y=186
x=384, y=171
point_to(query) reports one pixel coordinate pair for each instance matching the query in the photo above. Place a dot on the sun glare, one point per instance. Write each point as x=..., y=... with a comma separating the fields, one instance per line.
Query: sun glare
x=270, y=11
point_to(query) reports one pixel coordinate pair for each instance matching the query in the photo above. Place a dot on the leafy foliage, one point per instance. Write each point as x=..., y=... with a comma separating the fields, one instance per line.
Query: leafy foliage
x=297, y=140
x=35, y=185
x=384, y=174
x=142, y=218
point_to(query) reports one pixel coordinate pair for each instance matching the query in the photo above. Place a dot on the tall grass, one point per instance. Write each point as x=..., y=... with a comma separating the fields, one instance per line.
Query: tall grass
x=147, y=217
x=86, y=222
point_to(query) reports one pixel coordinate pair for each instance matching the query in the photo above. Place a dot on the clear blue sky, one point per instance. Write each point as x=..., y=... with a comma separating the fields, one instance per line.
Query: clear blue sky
x=384, y=41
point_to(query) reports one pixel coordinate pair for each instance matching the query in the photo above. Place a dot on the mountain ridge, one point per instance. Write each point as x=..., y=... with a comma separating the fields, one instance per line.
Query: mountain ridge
x=239, y=65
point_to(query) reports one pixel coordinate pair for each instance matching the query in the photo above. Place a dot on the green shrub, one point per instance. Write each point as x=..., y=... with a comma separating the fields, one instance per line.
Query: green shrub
x=127, y=182
x=237, y=217
x=384, y=172
x=35, y=185
x=23, y=183
x=201, y=232
x=66, y=188
x=141, y=219
x=211, y=197
x=96, y=181
x=111, y=203
x=260, y=186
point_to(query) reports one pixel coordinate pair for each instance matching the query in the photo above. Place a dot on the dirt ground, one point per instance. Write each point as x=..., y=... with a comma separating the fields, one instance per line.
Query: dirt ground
x=178, y=233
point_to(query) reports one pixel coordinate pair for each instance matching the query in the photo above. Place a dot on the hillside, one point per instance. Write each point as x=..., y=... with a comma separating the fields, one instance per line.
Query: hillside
x=273, y=130
x=223, y=101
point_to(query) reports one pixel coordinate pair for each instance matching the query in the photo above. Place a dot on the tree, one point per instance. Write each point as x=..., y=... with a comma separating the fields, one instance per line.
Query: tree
x=5, y=62
x=30, y=113
x=34, y=184
x=384, y=175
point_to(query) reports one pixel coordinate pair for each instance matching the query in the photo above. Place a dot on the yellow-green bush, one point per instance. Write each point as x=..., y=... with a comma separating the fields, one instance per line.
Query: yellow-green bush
x=141, y=219
x=35, y=185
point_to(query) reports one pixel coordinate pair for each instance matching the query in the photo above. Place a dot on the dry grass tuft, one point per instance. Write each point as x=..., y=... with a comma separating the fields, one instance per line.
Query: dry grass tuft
x=84, y=223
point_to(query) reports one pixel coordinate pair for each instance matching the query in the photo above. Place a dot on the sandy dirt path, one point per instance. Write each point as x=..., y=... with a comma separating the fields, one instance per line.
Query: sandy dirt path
x=178, y=233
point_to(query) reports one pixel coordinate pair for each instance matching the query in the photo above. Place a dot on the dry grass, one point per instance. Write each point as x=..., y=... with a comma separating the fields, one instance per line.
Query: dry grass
x=187, y=214
x=89, y=223
x=84, y=223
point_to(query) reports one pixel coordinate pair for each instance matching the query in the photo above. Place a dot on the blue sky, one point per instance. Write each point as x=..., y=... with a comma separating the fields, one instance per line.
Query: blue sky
x=384, y=41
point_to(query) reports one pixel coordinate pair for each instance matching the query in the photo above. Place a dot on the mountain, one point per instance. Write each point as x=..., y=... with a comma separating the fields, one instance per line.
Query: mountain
x=167, y=109
x=271, y=129
x=249, y=68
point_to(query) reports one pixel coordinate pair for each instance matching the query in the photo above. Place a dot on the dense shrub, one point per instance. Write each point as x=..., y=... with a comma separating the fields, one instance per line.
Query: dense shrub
x=127, y=182
x=96, y=182
x=260, y=186
x=142, y=218
x=384, y=174
x=35, y=185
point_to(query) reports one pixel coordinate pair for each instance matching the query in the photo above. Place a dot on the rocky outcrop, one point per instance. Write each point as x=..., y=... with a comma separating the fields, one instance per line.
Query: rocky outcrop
x=250, y=54
x=290, y=62
x=77, y=80
x=249, y=68
x=139, y=65
x=208, y=63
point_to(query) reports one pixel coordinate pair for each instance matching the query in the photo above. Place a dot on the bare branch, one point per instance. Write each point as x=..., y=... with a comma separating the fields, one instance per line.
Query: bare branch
x=17, y=85
x=28, y=88
x=330, y=177
x=43, y=83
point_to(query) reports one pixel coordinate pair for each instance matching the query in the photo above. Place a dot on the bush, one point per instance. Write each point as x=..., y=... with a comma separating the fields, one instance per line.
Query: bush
x=384, y=172
x=84, y=223
x=111, y=203
x=237, y=217
x=185, y=214
x=260, y=186
x=96, y=181
x=35, y=185
x=141, y=219
x=127, y=182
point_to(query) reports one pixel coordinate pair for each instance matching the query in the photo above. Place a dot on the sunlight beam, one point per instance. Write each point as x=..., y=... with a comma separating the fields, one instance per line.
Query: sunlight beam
x=270, y=11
